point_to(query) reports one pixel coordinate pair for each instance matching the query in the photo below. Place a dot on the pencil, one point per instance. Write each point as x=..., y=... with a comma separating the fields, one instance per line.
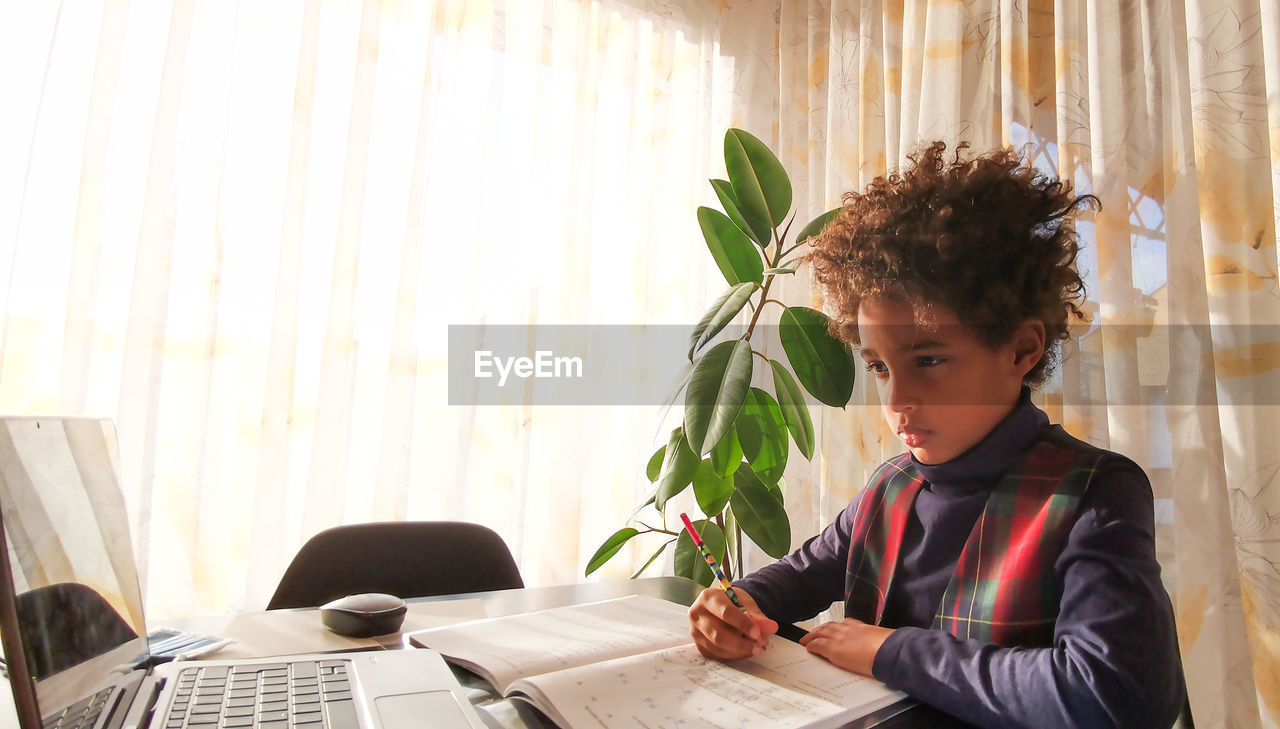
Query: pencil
x=711, y=562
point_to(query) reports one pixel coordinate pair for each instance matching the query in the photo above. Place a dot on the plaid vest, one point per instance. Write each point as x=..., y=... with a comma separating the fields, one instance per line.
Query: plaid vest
x=1003, y=589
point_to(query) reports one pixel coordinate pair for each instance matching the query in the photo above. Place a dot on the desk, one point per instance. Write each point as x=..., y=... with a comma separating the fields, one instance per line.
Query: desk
x=510, y=602
x=676, y=590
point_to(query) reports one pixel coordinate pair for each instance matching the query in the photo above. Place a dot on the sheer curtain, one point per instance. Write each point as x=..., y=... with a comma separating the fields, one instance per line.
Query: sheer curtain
x=241, y=230
x=1167, y=112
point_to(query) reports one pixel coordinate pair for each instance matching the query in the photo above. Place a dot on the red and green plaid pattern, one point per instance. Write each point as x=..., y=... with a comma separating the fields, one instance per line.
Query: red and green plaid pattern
x=877, y=536
x=1003, y=590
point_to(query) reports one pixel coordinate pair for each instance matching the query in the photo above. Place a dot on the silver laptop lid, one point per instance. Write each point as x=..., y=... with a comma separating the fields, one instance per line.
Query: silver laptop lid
x=71, y=589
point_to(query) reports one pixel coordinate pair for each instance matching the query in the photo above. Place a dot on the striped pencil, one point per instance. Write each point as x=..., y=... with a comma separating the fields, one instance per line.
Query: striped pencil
x=711, y=562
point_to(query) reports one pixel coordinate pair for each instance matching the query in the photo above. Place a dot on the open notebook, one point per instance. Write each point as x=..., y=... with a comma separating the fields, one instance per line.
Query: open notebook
x=74, y=635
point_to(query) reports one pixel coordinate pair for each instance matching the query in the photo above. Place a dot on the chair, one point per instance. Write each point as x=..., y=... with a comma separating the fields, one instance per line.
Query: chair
x=402, y=558
x=66, y=623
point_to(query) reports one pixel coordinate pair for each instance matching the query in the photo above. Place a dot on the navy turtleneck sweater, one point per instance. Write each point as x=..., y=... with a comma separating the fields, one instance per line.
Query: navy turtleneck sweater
x=1114, y=661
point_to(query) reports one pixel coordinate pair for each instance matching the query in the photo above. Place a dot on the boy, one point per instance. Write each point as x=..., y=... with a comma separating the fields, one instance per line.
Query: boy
x=1001, y=570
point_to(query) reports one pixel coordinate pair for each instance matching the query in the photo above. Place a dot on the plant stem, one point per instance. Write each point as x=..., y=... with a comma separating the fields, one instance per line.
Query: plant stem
x=650, y=530
x=789, y=250
x=785, y=231
x=764, y=291
x=756, y=316
x=738, y=556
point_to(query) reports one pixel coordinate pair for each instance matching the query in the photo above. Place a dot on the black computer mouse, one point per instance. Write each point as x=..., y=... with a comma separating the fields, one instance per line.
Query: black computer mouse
x=364, y=615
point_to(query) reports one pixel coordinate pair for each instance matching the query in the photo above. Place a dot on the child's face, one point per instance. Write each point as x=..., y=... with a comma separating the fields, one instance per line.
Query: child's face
x=941, y=389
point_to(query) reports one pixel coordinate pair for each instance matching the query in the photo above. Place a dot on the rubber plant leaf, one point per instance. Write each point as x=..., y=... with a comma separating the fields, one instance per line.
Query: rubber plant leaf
x=655, y=556
x=734, y=253
x=716, y=391
x=724, y=191
x=610, y=548
x=654, y=468
x=721, y=312
x=760, y=514
x=816, y=225
x=762, y=433
x=794, y=410
x=759, y=181
x=822, y=363
x=726, y=456
x=711, y=489
x=678, y=466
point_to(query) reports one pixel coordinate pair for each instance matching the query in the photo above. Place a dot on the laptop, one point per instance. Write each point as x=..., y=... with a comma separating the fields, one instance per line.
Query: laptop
x=75, y=639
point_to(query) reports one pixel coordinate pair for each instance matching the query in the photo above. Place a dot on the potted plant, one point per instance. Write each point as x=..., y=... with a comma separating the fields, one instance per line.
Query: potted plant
x=733, y=444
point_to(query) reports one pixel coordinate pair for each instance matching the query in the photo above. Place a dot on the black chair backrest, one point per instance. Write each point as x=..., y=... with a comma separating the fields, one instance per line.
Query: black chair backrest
x=66, y=623
x=403, y=558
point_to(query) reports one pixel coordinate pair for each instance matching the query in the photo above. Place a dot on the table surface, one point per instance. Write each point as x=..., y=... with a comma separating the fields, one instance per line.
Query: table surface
x=510, y=602
x=683, y=591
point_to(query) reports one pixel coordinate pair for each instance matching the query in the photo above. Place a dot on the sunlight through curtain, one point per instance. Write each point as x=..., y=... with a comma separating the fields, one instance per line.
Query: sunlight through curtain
x=242, y=229
x=1161, y=110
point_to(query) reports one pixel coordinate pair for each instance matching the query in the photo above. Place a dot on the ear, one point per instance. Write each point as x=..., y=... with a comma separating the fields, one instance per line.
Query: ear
x=1028, y=345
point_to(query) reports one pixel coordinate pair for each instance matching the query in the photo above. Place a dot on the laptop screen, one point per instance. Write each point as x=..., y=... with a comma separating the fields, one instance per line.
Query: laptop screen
x=75, y=583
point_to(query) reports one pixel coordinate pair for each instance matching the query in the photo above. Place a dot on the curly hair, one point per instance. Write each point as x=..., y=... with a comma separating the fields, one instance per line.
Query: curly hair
x=989, y=238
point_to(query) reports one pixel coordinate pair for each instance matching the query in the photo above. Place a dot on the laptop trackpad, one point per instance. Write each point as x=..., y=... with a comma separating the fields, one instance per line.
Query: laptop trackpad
x=408, y=710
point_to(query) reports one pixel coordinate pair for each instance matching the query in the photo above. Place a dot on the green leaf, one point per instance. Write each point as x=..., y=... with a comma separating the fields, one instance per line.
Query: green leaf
x=816, y=225
x=610, y=548
x=720, y=314
x=778, y=271
x=760, y=514
x=678, y=467
x=689, y=561
x=823, y=364
x=654, y=469
x=653, y=558
x=794, y=410
x=726, y=456
x=762, y=432
x=715, y=395
x=759, y=181
x=724, y=191
x=732, y=250
x=711, y=489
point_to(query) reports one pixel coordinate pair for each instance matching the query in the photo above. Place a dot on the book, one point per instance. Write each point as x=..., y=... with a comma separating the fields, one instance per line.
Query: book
x=630, y=662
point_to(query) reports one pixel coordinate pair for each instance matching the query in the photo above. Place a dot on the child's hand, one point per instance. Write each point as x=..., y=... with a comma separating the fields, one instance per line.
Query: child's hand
x=850, y=644
x=720, y=630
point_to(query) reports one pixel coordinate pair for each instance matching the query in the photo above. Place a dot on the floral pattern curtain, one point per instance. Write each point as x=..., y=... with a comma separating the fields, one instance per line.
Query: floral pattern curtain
x=1167, y=112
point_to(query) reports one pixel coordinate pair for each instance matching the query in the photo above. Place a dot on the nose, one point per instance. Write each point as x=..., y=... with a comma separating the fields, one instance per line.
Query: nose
x=898, y=394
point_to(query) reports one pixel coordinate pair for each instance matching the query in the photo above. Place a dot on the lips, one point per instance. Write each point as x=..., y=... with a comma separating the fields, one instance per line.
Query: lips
x=912, y=437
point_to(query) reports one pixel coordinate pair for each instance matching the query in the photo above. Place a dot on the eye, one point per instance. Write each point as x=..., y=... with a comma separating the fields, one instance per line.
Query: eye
x=929, y=361
x=878, y=368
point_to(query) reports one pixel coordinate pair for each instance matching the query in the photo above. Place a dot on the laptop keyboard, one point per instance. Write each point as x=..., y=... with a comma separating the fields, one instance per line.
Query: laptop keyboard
x=80, y=715
x=306, y=694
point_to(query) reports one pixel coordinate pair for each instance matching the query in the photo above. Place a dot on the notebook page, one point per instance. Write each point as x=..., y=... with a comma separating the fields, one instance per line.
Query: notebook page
x=679, y=687
x=791, y=665
x=504, y=649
